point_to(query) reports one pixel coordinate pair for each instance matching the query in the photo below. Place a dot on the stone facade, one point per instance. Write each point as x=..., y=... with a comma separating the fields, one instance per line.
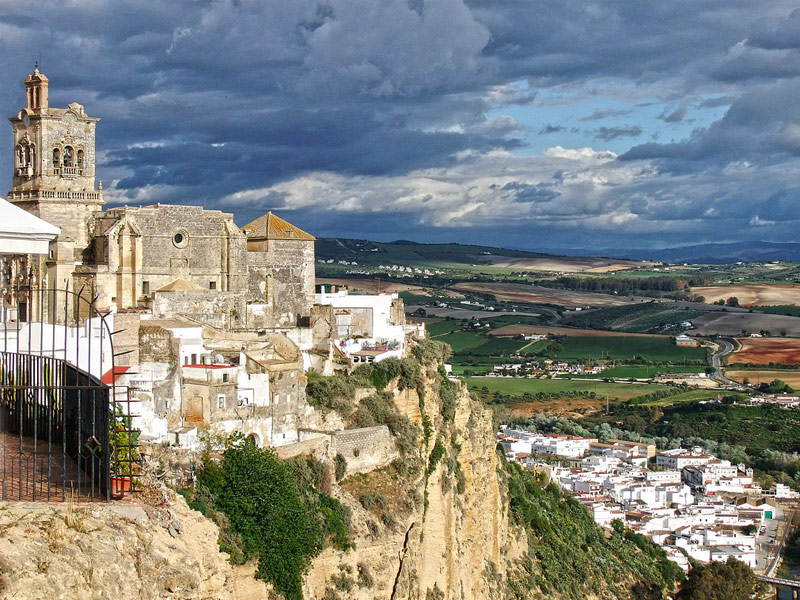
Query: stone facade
x=126, y=256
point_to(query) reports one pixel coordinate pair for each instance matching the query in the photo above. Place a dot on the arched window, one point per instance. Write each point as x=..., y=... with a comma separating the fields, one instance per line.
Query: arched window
x=80, y=159
x=56, y=156
x=20, y=156
x=68, y=156
x=31, y=155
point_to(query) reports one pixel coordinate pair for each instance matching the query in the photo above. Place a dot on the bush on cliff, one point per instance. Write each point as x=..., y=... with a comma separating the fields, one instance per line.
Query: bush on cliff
x=275, y=510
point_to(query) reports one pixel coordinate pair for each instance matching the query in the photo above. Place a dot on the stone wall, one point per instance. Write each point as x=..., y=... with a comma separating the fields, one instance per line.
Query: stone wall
x=149, y=247
x=282, y=275
x=364, y=449
x=211, y=307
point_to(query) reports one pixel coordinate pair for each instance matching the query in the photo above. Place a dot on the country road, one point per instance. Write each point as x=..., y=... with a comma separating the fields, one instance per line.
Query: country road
x=724, y=347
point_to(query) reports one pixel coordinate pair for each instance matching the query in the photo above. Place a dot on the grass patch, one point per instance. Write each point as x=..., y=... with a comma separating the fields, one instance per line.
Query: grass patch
x=653, y=349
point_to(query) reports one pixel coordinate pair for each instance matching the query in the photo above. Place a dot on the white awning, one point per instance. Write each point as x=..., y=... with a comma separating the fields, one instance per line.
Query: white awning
x=23, y=233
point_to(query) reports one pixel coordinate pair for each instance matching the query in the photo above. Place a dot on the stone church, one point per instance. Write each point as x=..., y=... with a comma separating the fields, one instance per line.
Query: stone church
x=215, y=325
x=168, y=259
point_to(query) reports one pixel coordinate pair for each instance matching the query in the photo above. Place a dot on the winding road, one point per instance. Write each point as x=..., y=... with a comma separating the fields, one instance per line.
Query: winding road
x=724, y=347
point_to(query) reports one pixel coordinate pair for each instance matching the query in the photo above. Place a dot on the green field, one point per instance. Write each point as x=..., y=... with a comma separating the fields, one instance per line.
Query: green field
x=519, y=386
x=637, y=372
x=624, y=348
x=460, y=341
x=442, y=327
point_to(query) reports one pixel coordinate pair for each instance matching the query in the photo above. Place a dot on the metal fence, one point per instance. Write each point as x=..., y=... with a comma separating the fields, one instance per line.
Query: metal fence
x=65, y=423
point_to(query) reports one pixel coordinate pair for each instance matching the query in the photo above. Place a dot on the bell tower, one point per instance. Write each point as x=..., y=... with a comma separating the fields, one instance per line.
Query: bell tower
x=54, y=161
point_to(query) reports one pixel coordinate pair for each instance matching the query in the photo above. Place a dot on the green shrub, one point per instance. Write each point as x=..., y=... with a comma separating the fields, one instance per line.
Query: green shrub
x=340, y=466
x=333, y=393
x=435, y=456
x=272, y=510
x=372, y=499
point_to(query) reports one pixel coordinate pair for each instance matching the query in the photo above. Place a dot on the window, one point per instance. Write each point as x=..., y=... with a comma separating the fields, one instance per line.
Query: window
x=180, y=238
x=68, y=156
x=194, y=359
x=145, y=288
x=221, y=400
x=224, y=378
x=212, y=285
x=80, y=159
x=56, y=156
x=277, y=398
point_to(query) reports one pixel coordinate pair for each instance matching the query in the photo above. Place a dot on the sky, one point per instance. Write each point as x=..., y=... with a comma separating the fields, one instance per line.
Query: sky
x=526, y=124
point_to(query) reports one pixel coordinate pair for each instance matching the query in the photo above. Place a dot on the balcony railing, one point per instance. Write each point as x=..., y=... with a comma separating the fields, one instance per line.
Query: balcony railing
x=68, y=171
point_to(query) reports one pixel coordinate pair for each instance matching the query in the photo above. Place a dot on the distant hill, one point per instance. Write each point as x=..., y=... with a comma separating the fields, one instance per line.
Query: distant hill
x=715, y=254
x=458, y=256
x=415, y=253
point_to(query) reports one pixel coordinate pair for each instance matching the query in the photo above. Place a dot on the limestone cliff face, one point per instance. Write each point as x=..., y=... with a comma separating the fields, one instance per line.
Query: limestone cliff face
x=451, y=538
x=123, y=551
x=436, y=529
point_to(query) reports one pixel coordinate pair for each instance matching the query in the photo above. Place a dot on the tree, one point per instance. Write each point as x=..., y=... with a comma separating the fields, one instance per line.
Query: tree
x=732, y=301
x=732, y=580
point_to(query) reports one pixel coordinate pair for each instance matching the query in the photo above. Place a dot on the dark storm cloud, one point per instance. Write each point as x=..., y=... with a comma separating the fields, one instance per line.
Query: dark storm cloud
x=389, y=103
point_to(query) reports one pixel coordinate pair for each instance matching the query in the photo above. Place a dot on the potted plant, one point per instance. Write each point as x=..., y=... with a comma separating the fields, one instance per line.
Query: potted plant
x=124, y=446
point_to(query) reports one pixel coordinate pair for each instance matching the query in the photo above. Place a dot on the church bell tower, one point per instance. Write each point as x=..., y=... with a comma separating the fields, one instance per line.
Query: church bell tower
x=54, y=161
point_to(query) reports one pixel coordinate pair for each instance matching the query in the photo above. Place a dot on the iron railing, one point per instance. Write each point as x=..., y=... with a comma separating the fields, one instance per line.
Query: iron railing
x=65, y=423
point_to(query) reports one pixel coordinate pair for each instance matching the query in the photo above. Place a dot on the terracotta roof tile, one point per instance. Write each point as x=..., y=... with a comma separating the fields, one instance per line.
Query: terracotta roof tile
x=272, y=227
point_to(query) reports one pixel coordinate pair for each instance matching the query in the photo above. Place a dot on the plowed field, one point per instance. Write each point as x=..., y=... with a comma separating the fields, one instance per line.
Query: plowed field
x=752, y=295
x=520, y=292
x=762, y=351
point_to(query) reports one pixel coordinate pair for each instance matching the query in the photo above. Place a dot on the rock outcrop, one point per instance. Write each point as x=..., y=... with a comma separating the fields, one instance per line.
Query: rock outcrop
x=121, y=551
x=448, y=533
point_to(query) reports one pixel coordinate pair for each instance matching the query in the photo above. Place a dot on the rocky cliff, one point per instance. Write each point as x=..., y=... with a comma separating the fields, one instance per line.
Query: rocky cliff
x=445, y=521
x=440, y=532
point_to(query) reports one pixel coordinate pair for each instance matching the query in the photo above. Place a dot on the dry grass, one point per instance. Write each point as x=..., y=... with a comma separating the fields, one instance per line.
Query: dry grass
x=752, y=295
x=564, y=264
x=792, y=378
x=520, y=292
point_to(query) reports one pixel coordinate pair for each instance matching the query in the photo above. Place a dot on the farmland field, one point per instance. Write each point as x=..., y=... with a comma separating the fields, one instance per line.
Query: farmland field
x=519, y=386
x=370, y=286
x=642, y=318
x=791, y=378
x=752, y=295
x=734, y=322
x=652, y=348
x=762, y=351
x=520, y=292
x=637, y=372
x=512, y=330
x=563, y=264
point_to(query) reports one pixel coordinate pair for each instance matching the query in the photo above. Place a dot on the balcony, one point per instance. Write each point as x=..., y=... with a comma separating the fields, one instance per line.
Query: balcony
x=68, y=172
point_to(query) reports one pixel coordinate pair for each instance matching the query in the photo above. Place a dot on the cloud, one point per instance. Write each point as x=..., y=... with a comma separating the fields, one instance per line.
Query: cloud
x=604, y=113
x=610, y=133
x=431, y=115
x=548, y=128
